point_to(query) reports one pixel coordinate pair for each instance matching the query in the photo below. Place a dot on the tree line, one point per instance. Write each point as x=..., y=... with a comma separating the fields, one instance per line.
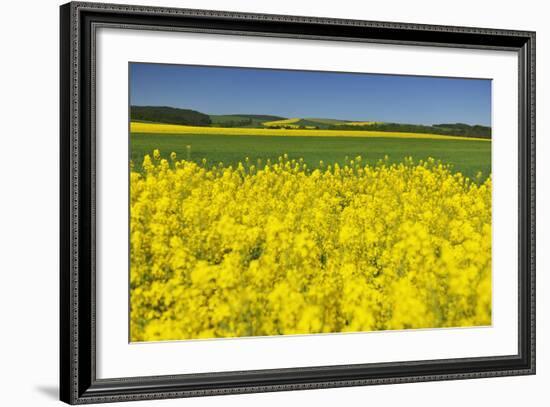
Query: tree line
x=447, y=129
x=169, y=115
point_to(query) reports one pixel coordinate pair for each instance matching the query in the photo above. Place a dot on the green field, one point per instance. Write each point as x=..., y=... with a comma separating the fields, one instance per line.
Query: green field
x=466, y=156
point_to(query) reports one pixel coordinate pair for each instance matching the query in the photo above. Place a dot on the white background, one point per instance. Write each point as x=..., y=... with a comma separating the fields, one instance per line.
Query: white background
x=29, y=203
x=116, y=358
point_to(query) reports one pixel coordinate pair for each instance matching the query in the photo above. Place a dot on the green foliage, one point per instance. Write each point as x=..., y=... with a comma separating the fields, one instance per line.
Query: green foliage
x=461, y=129
x=458, y=129
x=241, y=120
x=169, y=115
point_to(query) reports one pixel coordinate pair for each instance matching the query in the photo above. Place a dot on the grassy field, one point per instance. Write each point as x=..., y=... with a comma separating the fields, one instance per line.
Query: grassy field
x=467, y=156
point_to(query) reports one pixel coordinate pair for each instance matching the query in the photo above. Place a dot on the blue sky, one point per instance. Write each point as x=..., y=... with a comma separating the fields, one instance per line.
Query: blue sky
x=288, y=93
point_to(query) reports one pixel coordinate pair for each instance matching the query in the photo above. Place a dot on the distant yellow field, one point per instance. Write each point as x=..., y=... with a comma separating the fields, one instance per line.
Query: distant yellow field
x=361, y=123
x=157, y=128
x=285, y=122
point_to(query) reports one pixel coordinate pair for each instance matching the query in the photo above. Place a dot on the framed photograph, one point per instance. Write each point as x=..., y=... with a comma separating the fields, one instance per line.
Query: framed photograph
x=255, y=203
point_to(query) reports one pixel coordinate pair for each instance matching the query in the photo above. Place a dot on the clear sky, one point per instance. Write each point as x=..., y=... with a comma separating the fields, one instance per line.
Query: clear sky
x=312, y=94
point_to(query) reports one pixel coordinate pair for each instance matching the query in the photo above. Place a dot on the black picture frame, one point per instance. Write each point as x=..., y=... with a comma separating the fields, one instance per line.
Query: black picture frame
x=78, y=382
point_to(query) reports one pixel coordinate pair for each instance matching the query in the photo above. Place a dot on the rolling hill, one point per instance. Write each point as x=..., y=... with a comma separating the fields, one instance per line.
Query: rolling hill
x=242, y=120
x=169, y=115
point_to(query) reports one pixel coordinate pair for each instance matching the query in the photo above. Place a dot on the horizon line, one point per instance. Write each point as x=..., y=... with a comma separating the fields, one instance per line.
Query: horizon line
x=309, y=117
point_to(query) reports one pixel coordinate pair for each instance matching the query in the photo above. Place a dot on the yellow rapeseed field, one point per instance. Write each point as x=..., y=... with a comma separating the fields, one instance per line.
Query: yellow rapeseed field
x=284, y=122
x=159, y=128
x=361, y=123
x=245, y=251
